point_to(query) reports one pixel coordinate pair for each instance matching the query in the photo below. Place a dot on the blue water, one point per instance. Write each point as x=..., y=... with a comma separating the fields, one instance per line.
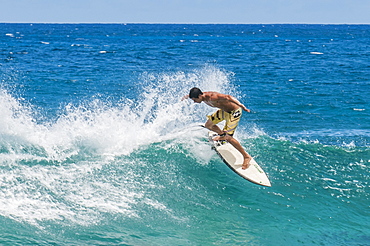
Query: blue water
x=96, y=147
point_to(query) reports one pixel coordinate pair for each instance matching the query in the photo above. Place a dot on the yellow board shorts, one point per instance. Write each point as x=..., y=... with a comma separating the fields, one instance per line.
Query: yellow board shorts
x=232, y=119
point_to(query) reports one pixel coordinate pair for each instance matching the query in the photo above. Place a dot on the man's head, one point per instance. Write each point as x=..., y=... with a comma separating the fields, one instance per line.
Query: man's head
x=195, y=93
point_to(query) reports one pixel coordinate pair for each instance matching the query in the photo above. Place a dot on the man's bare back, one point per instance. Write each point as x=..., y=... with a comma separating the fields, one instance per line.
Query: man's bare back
x=221, y=101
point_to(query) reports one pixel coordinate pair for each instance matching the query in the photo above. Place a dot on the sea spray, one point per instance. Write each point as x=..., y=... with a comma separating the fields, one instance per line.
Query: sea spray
x=58, y=170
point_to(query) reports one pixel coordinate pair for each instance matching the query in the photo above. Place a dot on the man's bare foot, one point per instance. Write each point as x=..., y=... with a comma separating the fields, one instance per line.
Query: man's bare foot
x=246, y=162
x=217, y=138
x=220, y=136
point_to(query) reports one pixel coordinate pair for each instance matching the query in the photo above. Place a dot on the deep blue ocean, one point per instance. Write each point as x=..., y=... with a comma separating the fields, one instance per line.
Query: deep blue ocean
x=97, y=148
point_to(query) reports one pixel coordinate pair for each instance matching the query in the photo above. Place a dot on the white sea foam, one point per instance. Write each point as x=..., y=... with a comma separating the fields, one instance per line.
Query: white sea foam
x=54, y=172
x=120, y=129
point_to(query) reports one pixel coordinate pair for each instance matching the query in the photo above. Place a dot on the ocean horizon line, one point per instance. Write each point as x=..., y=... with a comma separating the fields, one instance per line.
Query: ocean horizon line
x=185, y=23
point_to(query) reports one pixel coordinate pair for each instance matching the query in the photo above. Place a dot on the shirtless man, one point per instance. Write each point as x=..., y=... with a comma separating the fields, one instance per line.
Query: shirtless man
x=230, y=110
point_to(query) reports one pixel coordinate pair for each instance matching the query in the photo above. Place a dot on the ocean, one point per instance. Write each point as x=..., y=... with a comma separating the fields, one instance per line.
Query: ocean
x=97, y=148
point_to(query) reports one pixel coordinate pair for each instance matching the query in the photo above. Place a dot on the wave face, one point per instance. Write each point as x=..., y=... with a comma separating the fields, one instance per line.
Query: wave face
x=95, y=151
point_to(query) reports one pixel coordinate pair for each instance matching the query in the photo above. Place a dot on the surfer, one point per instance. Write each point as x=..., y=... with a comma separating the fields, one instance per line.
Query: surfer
x=229, y=109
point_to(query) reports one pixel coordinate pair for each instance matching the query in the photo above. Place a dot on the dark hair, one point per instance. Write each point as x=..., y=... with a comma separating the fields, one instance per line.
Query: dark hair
x=195, y=92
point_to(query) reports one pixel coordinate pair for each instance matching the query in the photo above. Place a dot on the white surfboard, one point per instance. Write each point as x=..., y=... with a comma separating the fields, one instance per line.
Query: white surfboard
x=234, y=159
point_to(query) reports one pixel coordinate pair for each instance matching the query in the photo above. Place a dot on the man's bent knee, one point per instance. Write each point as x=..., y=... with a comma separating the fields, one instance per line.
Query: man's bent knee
x=208, y=124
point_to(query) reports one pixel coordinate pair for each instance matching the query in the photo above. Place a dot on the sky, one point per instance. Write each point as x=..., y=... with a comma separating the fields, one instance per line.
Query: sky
x=186, y=11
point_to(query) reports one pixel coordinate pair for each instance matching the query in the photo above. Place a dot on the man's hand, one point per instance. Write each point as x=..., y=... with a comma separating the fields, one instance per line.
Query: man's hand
x=245, y=109
x=184, y=97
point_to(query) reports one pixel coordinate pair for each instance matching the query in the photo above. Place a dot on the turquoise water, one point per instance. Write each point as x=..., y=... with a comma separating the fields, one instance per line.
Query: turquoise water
x=96, y=147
